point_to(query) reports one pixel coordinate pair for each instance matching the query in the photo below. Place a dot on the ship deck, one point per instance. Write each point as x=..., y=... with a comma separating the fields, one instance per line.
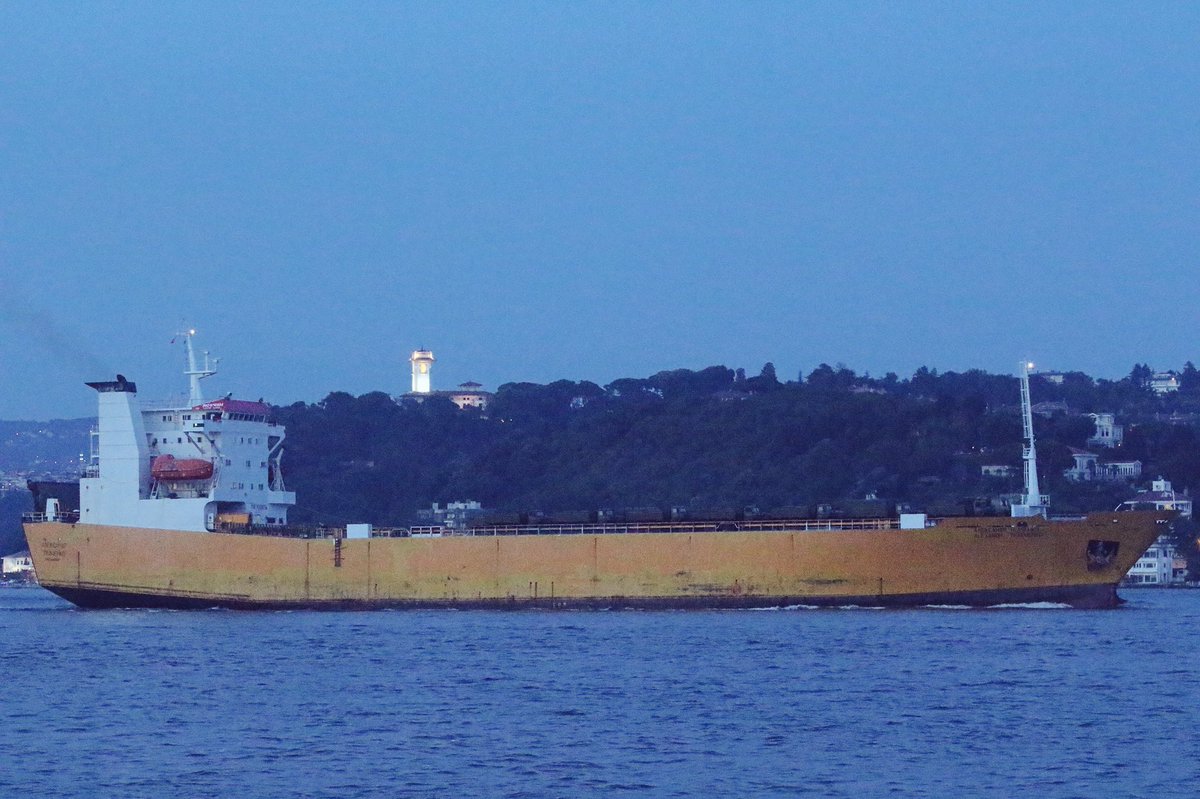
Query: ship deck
x=585, y=528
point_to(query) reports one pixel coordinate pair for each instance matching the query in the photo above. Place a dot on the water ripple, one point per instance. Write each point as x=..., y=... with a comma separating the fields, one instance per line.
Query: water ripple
x=930, y=703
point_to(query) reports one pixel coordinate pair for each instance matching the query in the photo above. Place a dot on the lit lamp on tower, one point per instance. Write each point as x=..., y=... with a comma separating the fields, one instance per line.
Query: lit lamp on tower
x=422, y=365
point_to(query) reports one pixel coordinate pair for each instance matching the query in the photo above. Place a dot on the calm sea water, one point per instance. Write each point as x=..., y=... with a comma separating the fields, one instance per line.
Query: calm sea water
x=930, y=702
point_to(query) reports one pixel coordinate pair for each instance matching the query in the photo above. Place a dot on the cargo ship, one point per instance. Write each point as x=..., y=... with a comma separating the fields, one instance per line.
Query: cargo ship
x=185, y=506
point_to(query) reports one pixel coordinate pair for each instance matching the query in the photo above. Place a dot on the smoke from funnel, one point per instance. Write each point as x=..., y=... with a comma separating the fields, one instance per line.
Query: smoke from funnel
x=68, y=348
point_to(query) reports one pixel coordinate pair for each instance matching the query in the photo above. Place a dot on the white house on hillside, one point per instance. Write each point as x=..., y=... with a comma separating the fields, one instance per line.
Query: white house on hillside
x=1160, y=497
x=1088, y=469
x=1164, y=382
x=1108, y=433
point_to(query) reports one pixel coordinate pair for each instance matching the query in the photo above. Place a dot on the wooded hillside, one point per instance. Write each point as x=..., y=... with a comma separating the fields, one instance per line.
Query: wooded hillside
x=717, y=439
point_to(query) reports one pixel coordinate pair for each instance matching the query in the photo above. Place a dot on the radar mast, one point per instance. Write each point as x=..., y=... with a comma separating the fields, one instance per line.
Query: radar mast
x=194, y=372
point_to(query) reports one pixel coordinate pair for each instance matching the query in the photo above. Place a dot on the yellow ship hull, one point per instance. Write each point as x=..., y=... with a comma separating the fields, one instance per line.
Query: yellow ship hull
x=968, y=561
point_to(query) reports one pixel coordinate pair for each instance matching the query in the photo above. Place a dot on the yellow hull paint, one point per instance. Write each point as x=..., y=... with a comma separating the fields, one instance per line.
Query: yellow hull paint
x=973, y=561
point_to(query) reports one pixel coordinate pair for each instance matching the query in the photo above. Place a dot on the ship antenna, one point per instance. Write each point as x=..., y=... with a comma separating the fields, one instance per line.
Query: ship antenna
x=194, y=372
x=1033, y=503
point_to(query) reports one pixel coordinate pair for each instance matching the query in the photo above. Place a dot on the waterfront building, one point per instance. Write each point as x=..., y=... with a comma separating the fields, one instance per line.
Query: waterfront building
x=1156, y=566
x=17, y=565
x=1161, y=564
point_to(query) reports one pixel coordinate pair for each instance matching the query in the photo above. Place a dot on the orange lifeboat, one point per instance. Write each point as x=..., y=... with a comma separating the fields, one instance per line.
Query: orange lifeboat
x=167, y=468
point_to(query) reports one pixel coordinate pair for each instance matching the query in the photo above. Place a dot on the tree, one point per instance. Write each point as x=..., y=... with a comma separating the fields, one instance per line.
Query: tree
x=1189, y=380
x=924, y=382
x=822, y=377
x=1140, y=375
x=686, y=384
x=674, y=438
x=766, y=380
x=12, y=505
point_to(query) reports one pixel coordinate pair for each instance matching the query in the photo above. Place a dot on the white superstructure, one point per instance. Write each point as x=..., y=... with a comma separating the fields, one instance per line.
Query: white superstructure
x=197, y=467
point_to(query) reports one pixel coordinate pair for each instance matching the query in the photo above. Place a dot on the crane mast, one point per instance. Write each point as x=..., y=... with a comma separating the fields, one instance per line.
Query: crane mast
x=1032, y=502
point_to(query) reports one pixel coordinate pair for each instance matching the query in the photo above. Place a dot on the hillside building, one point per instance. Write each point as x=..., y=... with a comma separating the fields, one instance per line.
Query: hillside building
x=1049, y=409
x=1164, y=382
x=452, y=515
x=468, y=395
x=1161, y=496
x=1108, y=432
x=422, y=369
x=1088, y=469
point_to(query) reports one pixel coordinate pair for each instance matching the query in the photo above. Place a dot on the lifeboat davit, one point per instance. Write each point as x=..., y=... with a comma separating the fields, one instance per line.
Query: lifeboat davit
x=167, y=468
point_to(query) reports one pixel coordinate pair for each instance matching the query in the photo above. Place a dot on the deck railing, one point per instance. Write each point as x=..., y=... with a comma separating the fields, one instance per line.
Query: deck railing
x=610, y=528
x=65, y=516
x=616, y=528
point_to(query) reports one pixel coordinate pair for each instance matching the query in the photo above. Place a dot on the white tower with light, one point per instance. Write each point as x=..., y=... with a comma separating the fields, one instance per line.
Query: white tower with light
x=1033, y=503
x=422, y=365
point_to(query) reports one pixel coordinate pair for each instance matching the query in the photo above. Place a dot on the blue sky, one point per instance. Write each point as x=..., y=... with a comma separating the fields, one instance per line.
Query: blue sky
x=538, y=191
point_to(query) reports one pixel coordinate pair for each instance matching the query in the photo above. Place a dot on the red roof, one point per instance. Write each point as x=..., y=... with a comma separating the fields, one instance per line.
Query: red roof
x=1154, y=496
x=235, y=406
